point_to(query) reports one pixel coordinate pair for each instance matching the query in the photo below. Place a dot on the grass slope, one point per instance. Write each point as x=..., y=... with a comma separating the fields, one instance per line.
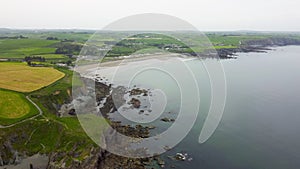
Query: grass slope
x=14, y=107
x=22, y=78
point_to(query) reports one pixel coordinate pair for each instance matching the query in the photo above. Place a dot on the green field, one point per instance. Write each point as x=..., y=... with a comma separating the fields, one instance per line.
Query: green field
x=14, y=107
x=23, y=78
x=19, y=48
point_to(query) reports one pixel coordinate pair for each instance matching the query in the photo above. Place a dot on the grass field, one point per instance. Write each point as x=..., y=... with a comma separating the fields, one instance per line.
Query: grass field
x=14, y=107
x=19, y=48
x=22, y=78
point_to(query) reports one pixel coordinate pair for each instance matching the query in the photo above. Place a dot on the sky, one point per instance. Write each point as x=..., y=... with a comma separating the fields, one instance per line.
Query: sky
x=205, y=15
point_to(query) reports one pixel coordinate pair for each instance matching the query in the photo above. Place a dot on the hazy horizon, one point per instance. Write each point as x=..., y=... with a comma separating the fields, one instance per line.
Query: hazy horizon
x=212, y=15
x=95, y=29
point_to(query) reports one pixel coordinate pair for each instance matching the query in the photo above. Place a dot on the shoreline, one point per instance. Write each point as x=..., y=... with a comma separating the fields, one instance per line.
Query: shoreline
x=123, y=61
x=258, y=45
x=230, y=53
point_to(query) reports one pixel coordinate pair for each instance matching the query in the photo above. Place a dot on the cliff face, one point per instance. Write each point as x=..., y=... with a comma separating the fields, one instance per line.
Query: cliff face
x=98, y=159
x=95, y=160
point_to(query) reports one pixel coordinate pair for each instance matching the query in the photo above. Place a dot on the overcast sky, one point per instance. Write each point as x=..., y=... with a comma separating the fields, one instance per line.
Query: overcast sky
x=216, y=15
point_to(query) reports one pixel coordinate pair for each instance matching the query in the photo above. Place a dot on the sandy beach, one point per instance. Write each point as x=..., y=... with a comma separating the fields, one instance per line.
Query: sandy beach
x=125, y=60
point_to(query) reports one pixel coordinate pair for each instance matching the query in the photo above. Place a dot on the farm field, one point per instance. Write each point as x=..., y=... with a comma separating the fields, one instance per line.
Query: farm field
x=19, y=48
x=14, y=107
x=22, y=78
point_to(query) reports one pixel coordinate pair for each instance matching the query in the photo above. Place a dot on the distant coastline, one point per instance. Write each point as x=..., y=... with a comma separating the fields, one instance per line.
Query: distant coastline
x=259, y=45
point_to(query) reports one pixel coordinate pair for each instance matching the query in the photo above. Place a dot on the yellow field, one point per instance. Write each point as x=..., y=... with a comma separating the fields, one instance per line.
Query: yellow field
x=23, y=78
x=13, y=105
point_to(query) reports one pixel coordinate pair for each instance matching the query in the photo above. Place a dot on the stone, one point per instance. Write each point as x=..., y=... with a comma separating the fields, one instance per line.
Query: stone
x=135, y=102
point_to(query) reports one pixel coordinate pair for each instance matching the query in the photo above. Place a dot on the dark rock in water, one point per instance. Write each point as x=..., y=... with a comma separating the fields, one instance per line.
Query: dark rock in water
x=167, y=148
x=180, y=156
x=167, y=120
x=138, y=131
x=141, y=111
x=160, y=162
x=151, y=127
x=139, y=92
x=135, y=102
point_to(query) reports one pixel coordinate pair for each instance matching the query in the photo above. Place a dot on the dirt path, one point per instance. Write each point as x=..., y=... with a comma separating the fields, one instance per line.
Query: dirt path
x=22, y=121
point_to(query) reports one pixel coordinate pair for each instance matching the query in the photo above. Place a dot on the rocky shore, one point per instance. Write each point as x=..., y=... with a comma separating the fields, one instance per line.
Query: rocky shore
x=258, y=45
x=95, y=157
x=111, y=99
